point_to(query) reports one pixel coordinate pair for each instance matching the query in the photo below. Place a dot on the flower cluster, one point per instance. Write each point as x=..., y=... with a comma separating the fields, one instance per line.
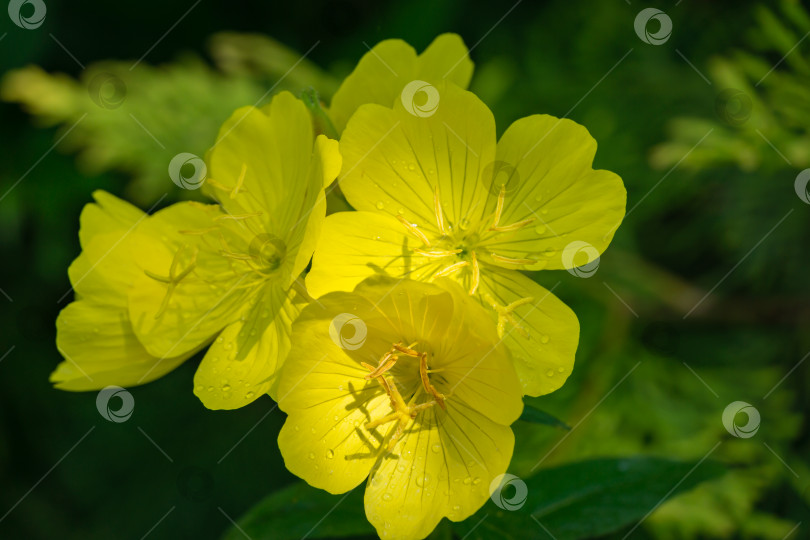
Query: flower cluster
x=427, y=272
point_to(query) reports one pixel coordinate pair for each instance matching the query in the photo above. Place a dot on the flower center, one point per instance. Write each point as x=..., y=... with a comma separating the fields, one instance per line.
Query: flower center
x=403, y=413
x=464, y=252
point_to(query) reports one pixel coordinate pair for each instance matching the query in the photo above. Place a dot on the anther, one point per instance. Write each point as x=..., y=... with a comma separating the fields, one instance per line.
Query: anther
x=239, y=181
x=414, y=230
x=437, y=254
x=509, y=260
x=476, y=274
x=437, y=208
x=450, y=269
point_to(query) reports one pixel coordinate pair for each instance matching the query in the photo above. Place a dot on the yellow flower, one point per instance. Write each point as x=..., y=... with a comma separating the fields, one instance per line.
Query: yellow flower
x=389, y=66
x=413, y=389
x=437, y=196
x=193, y=273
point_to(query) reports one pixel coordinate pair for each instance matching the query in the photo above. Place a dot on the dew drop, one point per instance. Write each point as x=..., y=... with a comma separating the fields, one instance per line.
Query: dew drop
x=543, y=339
x=436, y=448
x=311, y=455
x=550, y=373
x=198, y=388
x=380, y=205
x=210, y=388
x=476, y=481
x=467, y=481
x=387, y=497
x=219, y=339
x=411, y=166
x=249, y=395
x=330, y=454
x=297, y=428
x=226, y=388
x=540, y=229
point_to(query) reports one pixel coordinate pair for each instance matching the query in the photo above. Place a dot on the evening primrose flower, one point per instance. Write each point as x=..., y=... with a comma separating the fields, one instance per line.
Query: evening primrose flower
x=412, y=389
x=438, y=197
x=195, y=273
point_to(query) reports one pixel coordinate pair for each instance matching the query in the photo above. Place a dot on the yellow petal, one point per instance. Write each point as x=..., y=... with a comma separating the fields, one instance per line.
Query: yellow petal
x=94, y=333
x=328, y=400
x=544, y=336
x=443, y=468
x=547, y=167
x=100, y=350
x=383, y=72
x=243, y=363
x=403, y=164
x=356, y=245
x=171, y=321
x=476, y=366
x=329, y=150
x=107, y=215
x=260, y=163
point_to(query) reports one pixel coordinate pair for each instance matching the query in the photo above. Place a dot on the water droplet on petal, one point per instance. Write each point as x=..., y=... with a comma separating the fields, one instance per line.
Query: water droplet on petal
x=311, y=455
x=330, y=454
x=540, y=229
x=543, y=339
x=380, y=205
x=387, y=497
x=550, y=373
x=436, y=448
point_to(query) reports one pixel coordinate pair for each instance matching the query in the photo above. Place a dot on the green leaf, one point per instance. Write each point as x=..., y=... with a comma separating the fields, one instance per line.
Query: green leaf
x=299, y=511
x=586, y=499
x=536, y=416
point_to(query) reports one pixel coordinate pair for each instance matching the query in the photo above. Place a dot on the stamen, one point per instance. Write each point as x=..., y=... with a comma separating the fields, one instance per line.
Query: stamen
x=476, y=274
x=407, y=350
x=437, y=207
x=387, y=362
x=450, y=269
x=239, y=181
x=437, y=254
x=237, y=216
x=429, y=388
x=508, y=260
x=198, y=232
x=173, y=279
x=236, y=256
x=513, y=226
x=414, y=230
x=506, y=314
x=499, y=206
x=216, y=184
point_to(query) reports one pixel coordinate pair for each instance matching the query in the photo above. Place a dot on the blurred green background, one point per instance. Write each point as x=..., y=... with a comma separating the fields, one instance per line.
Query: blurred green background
x=701, y=300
